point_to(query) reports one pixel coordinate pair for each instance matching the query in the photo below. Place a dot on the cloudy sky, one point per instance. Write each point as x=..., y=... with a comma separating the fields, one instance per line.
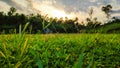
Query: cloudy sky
x=62, y=8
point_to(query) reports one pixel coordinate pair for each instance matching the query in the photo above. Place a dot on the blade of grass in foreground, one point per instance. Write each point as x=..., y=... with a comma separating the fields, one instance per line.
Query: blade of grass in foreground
x=26, y=25
x=24, y=47
x=21, y=33
x=39, y=63
x=20, y=30
x=79, y=63
x=89, y=66
x=17, y=65
x=2, y=54
x=6, y=53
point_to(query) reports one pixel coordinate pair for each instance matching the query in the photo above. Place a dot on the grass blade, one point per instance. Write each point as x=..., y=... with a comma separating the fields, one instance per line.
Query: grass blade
x=2, y=54
x=39, y=64
x=79, y=63
x=43, y=24
x=91, y=61
x=25, y=27
x=47, y=25
x=17, y=65
x=20, y=27
x=24, y=47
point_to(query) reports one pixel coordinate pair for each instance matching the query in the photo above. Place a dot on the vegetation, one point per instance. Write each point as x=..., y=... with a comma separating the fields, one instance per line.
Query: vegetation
x=107, y=10
x=24, y=47
x=10, y=21
x=60, y=51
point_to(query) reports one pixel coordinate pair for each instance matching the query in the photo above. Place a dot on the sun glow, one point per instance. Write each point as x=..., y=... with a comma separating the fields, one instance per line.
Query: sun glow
x=59, y=14
x=51, y=11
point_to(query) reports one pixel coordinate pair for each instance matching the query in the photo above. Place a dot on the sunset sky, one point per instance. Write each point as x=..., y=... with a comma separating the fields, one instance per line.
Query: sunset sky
x=62, y=8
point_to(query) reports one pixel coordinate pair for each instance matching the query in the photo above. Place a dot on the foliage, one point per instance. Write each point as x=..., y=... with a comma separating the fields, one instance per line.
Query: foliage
x=60, y=51
x=107, y=10
x=110, y=28
x=10, y=22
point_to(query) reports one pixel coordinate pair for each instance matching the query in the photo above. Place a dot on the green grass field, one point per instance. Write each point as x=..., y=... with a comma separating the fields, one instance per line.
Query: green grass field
x=60, y=51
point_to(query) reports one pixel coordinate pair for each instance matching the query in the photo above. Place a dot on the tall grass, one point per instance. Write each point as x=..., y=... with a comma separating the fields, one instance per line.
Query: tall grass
x=13, y=51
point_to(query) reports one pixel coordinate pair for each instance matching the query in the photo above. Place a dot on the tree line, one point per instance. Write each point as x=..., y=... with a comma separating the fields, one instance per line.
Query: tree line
x=11, y=21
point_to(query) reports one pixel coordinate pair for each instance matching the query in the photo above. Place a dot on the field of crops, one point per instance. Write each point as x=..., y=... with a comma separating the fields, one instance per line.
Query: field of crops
x=60, y=51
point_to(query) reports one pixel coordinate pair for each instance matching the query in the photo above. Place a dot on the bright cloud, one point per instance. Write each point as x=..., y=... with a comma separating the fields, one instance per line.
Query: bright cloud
x=62, y=8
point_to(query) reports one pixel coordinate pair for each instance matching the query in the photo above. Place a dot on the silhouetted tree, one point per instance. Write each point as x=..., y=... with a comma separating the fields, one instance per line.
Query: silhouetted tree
x=11, y=11
x=91, y=13
x=1, y=18
x=107, y=10
x=12, y=20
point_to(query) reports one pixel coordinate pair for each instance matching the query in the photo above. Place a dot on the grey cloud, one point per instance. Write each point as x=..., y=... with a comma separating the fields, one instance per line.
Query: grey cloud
x=82, y=5
x=13, y=4
x=116, y=11
x=68, y=5
x=19, y=6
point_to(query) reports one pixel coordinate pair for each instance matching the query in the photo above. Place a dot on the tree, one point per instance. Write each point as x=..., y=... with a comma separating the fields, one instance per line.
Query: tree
x=107, y=9
x=89, y=20
x=91, y=13
x=11, y=11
